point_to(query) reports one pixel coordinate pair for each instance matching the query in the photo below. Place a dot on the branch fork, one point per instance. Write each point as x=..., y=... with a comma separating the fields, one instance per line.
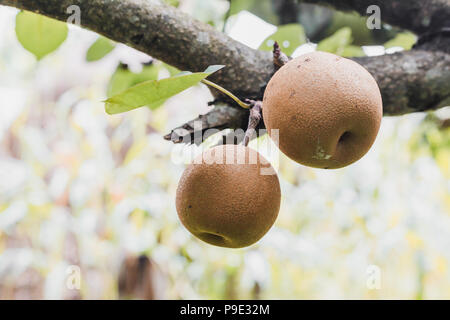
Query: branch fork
x=254, y=115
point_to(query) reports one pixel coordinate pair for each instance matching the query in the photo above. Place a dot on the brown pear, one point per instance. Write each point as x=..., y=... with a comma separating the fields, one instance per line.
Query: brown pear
x=229, y=196
x=327, y=109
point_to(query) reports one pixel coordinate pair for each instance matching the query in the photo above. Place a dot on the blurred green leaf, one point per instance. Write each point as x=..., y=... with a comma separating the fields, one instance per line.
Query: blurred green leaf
x=174, y=3
x=237, y=6
x=405, y=40
x=154, y=92
x=38, y=34
x=430, y=138
x=172, y=70
x=100, y=48
x=261, y=8
x=149, y=72
x=337, y=42
x=353, y=51
x=123, y=78
x=357, y=24
x=289, y=37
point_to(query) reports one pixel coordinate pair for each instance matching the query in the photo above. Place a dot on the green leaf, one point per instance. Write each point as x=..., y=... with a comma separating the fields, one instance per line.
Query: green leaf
x=123, y=78
x=405, y=40
x=353, y=51
x=289, y=37
x=174, y=3
x=38, y=34
x=357, y=24
x=100, y=48
x=340, y=43
x=149, y=72
x=260, y=8
x=337, y=42
x=237, y=6
x=154, y=92
x=212, y=69
x=172, y=70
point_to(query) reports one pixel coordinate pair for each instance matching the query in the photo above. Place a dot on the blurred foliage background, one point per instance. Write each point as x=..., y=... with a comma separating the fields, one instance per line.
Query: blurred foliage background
x=88, y=199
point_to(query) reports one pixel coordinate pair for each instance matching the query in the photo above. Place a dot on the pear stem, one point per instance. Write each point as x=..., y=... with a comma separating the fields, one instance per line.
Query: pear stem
x=226, y=92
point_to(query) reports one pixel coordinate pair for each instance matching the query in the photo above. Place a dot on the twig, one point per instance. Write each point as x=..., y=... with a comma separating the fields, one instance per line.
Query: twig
x=218, y=118
x=253, y=120
x=279, y=58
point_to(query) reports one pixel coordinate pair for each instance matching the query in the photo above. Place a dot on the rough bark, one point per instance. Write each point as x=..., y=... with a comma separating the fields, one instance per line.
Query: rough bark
x=411, y=81
x=219, y=118
x=169, y=35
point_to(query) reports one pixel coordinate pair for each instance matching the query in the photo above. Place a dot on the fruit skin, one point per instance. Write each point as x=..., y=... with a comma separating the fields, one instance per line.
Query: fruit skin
x=328, y=110
x=230, y=204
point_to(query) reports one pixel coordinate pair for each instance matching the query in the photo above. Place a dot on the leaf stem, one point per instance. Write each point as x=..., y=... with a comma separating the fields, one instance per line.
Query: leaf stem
x=226, y=92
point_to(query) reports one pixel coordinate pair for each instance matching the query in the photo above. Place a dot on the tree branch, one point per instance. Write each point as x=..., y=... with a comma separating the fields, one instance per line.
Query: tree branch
x=411, y=81
x=219, y=118
x=169, y=35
